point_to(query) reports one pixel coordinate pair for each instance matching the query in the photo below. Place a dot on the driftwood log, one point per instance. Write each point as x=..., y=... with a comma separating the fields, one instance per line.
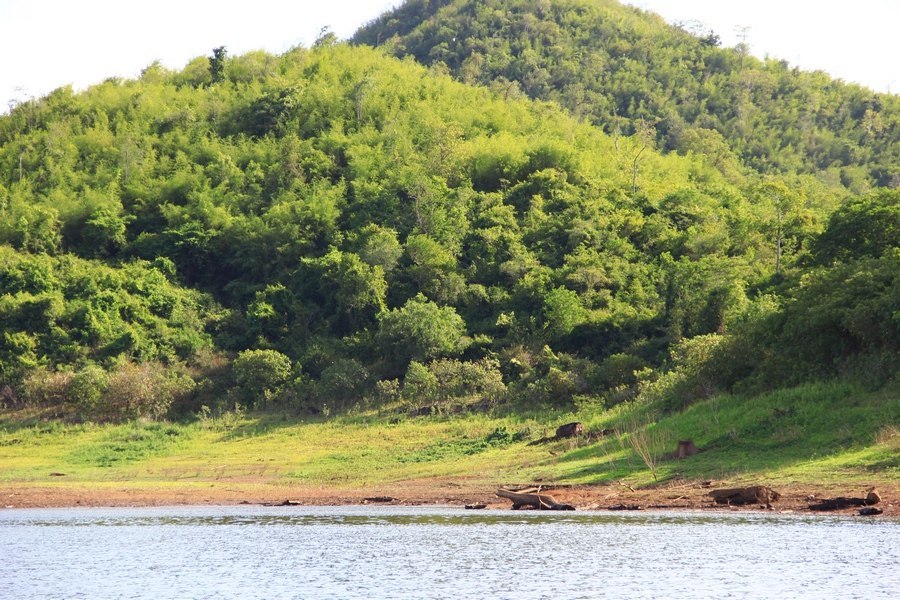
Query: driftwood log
x=534, y=500
x=842, y=502
x=757, y=494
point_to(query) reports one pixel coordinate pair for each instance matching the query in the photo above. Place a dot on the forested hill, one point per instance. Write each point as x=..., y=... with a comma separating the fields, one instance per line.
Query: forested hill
x=623, y=69
x=335, y=226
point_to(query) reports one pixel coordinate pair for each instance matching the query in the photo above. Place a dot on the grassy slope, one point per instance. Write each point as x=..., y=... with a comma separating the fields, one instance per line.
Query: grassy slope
x=818, y=433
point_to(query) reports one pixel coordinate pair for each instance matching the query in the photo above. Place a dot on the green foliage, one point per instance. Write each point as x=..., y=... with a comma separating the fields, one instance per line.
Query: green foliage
x=834, y=314
x=88, y=386
x=343, y=383
x=693, y=375
x=349, y=292
x=145, y=390
x=446, y=384
x=217, y=64
x=625, y=69
x=64, y=311
x=380, y=247
x=128, y=391
x=866, y=226
x=421, y=330
x=563, y=311
x=370, y=218
x=261, y=374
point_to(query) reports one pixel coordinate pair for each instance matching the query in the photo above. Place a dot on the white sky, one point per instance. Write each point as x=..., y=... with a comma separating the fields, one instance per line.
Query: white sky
x=45, y=44
x=857, y=41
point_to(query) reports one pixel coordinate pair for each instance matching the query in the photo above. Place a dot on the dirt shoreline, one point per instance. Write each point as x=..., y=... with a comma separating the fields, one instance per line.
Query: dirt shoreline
x=672, y=496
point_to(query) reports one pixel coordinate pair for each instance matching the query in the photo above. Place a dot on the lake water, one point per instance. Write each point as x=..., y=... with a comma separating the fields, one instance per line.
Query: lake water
x=391, y=552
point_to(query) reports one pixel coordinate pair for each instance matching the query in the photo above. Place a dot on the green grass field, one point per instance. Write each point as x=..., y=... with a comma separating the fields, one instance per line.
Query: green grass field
x=819, y=433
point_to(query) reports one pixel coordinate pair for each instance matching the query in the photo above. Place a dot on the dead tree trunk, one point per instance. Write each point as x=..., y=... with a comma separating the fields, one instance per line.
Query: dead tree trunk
x=537, y=501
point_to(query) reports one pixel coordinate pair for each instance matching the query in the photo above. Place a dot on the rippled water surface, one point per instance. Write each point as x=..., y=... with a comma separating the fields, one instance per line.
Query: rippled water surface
x=386, y=552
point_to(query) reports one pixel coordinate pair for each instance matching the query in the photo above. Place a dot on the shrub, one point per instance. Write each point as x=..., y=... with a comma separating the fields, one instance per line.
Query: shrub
x=459, y=380
x=700, y=365
x=260, y=374
x=145, y=390
x=443, y=383
x=343, y=382
x=87, y=388
x=419, y=385
x=421, y=330
x=620, y=369
x=42, y=387
x=387, y=391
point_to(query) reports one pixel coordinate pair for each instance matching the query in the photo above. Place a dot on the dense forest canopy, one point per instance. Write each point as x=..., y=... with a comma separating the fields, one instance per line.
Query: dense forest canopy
x=335, y=225
x=619, y=66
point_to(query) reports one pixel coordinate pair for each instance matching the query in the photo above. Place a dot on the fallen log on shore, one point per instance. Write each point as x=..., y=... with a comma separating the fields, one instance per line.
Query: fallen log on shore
x=842, y=502
x=537, y=501
x=870, y=512
x=626, y=507
x=757, y=494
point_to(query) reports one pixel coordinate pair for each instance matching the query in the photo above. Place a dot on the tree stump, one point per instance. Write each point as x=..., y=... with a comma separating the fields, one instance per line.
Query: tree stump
x=873, y=497
x=685, y=448
x=569, y=430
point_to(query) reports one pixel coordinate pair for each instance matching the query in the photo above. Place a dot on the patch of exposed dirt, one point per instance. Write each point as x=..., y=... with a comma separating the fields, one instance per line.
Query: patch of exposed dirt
x=685, y=495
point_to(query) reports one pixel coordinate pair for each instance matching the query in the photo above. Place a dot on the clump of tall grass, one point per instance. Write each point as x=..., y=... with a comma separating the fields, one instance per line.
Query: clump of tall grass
x=647, y=440
x=889, y=436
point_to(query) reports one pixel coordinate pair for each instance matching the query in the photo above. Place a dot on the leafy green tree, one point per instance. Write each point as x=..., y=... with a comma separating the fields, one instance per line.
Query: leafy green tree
x=421, y=330
x=867, y=226
x=563, y=311
x=380, y=247
x=217, y=64
x=785, y=207
x=343, y=383
x=260, y=374
x=349, y=292
x=433, y=269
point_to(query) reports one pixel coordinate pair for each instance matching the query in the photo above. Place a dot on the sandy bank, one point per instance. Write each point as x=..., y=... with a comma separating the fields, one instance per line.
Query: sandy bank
x=681, y=495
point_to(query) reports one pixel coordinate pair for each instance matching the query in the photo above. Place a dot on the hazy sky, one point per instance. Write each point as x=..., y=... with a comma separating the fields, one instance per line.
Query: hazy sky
x=856, y=41
x=45, y=44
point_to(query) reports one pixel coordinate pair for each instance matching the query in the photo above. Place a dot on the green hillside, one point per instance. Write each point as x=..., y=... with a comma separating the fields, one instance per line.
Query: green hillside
x=334, y=229
x=620, y=67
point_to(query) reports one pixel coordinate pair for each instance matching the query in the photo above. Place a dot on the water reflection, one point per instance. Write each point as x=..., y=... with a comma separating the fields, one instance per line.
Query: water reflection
x=380, y=516
x=400, y=552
